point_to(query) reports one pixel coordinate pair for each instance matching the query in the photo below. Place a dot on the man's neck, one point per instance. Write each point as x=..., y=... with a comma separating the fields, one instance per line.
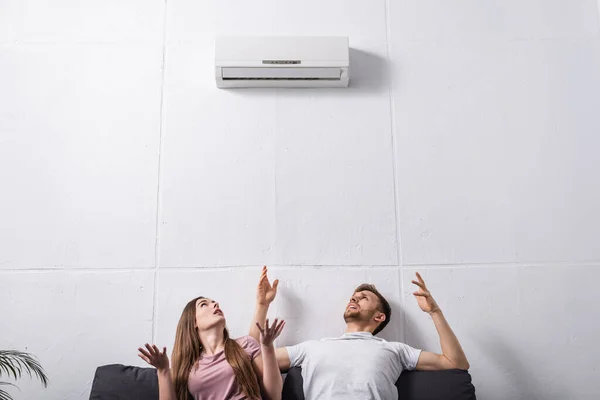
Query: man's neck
x=353, y=327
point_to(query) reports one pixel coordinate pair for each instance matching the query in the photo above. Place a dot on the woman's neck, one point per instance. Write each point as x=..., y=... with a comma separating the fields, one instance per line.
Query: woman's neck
x=213, y=340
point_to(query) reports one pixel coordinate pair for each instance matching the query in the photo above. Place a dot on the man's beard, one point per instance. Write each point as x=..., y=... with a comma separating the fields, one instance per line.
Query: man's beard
x=358, y=315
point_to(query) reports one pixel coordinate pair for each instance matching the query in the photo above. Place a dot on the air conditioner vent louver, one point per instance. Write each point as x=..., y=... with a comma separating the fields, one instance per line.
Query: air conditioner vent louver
x=281, y=79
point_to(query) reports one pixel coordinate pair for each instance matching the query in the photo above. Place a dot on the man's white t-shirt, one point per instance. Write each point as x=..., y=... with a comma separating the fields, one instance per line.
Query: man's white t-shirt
x=354, y=366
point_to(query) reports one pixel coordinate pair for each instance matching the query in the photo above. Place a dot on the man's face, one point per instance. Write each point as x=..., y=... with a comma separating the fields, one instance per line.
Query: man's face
x=362, y=306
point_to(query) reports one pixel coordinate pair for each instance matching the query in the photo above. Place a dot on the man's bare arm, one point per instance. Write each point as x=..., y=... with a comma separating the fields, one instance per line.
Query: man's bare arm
x=260, y=316
x=453, y=356
x=265, y=294
x=283, y=359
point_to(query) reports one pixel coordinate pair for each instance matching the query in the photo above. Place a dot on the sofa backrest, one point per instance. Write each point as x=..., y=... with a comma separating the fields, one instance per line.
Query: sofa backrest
x=452, y=384
x=412, y=385
x=121, y=382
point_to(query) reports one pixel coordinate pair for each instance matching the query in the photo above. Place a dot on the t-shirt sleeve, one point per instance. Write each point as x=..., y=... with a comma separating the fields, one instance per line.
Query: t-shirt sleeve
x=297, y=353
x=251, y=347
x=407, y=356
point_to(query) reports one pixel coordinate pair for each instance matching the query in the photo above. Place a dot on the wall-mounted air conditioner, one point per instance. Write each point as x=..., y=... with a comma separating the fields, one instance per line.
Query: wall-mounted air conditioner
x=242, y=62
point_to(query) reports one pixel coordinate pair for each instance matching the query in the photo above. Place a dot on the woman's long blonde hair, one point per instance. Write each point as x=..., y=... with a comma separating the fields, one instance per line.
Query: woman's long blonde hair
x=188, y=350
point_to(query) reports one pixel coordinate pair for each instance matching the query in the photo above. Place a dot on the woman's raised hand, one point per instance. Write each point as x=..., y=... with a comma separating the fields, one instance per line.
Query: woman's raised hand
x=153, y=356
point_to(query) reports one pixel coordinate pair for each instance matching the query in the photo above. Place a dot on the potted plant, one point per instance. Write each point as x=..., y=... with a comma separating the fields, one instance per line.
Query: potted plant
x=13, y=364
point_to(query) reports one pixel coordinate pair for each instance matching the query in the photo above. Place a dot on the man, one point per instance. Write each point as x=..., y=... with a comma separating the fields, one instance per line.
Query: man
x=359, y=365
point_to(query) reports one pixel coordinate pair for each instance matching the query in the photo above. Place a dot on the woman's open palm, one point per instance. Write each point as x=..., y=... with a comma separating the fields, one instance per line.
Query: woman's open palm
x=153, y=356
x=269, y=333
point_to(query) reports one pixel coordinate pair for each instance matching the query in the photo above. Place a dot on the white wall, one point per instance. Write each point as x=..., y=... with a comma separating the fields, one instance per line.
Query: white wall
x=466, y=149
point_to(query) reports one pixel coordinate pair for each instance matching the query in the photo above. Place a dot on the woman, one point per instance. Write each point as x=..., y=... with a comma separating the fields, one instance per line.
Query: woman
x=209, y=365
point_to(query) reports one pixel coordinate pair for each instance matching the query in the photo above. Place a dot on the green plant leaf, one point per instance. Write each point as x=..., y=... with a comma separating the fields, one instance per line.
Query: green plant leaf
x=8, y=367
x=4, y=395
x=14, y=363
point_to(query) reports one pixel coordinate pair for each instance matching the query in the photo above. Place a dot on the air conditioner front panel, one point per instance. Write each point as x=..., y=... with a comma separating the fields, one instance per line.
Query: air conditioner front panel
x=281, y=62
x=305, y=49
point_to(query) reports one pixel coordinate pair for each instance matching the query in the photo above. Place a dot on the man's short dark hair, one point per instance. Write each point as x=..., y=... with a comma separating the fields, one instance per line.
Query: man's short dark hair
x=383, y=305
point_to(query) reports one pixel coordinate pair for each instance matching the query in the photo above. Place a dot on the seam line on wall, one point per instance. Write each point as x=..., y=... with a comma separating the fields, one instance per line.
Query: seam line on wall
x=400, y=274
x=158, y=196
x=393, y=136
x=591, y=264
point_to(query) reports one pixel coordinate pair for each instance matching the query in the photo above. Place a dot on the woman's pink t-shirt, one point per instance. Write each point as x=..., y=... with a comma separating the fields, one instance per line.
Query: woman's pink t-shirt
x=212, y=378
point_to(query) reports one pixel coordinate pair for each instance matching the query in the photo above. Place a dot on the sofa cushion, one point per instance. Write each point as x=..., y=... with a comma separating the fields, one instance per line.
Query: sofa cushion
x=412, y=385
x=120, y=382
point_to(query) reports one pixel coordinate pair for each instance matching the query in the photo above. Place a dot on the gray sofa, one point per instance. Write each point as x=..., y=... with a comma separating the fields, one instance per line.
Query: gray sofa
x=121, y=382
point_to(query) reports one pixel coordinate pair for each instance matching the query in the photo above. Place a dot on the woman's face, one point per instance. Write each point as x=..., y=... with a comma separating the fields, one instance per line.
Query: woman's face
x=208, y=314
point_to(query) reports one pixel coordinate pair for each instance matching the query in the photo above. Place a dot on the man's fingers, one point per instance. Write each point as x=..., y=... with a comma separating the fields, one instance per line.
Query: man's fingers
x=260, y=328
x=164, y=351
x=419, y=284
x=420, y=278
